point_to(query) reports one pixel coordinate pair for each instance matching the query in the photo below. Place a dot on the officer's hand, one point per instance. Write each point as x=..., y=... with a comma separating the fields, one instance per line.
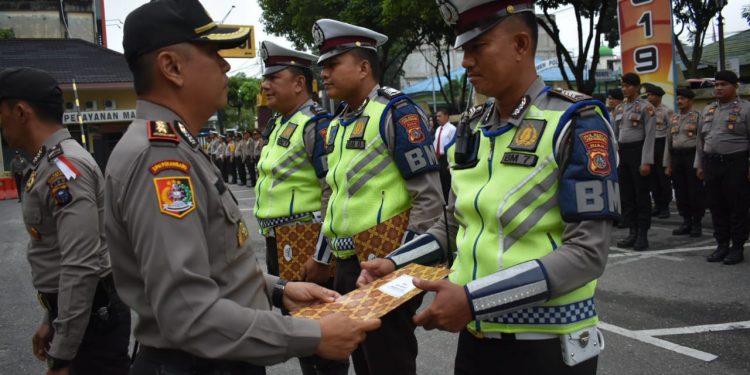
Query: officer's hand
x=298, y=295
x=339, y=335
x=645, y=169
x=315, y=272
x=373, y=270
x=40, y=342
x=699, y=173
x=62, y=371
x=450, y=309
x=668, y=171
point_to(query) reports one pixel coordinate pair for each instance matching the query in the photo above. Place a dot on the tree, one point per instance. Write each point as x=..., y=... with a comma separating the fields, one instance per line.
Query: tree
x=601, y=20
x=693, y=17
x=243, y=93
x=7, y=34
x=746, y=13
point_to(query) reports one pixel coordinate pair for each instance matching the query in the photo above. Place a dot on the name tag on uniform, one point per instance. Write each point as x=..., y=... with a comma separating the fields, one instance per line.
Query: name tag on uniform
x=518, y=158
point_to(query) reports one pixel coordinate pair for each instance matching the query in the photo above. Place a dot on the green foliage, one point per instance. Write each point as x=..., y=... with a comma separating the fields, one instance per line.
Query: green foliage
x=240, y=111
x=7, y=34
x=693, y=17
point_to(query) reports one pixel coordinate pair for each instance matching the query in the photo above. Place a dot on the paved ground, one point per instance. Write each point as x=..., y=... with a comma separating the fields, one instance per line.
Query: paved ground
x=665, y=311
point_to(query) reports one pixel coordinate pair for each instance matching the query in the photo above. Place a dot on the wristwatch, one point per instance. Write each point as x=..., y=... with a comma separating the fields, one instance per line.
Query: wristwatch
x=56, y=363
x=277, y=298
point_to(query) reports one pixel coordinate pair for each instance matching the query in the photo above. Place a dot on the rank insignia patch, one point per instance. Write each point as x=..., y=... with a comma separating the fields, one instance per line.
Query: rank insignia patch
x=30, y=181
x=528, y=135
x=411, y=123
x=162, y=131
x=242, y=234
x=168, y=165
x=286, y=135
x=357, y=138
x=597, y=149
x=175, y=195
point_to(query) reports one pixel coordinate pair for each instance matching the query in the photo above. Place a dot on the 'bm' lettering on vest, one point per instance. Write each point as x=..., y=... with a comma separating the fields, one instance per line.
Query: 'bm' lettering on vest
x=420, y=158
x=589, y=196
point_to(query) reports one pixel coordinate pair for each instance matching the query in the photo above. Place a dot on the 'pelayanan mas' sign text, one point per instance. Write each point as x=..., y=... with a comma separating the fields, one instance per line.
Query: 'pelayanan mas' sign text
x=98, y=117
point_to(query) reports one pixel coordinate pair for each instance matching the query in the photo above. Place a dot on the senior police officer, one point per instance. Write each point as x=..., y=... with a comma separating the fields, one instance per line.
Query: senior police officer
x=722, y=160
x=86, y=328
x=291, y=188
x=634, y=120
x=383, y=174
x=523, y=282
x=180, y=248
x=679, y=157
x=661, y=187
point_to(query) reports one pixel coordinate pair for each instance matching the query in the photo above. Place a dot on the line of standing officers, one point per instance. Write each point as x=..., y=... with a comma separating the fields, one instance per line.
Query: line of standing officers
x=236, y=156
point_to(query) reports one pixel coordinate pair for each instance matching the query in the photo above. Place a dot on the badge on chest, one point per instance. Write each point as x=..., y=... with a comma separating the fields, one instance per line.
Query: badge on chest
x=357, y=138
x=528, y=135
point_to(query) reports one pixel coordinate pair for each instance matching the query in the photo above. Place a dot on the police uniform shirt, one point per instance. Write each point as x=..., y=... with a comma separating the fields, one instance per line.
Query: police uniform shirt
x=683, y=134
x=221, y=149
x=427, y=197
x=583, y=253
x=181, y=257
x=229, y=150
x=239, y=151
x=663, y=115
x=63, y=210
x=247, y=148
x=213, y=146
x=636, y=122
x=18, y=166
x=724, y=129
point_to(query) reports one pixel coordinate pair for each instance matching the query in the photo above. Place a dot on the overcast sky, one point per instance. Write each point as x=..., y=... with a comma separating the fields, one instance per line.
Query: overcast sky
x=247, y=12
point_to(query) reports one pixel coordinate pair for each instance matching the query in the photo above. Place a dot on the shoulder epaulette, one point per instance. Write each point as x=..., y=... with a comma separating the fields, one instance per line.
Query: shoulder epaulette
x=54, y=152
x=569, y=95
x=318, y=110
x=476, y=112
x=161, y=131
x=389, y=92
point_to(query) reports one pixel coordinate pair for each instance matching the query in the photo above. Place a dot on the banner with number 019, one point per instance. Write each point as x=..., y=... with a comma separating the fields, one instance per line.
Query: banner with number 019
x=646, y=43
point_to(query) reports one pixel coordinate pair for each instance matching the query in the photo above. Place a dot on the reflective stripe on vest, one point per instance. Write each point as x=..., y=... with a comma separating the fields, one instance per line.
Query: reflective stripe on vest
x=366, y=185
x=509, y=214
x=287, y=182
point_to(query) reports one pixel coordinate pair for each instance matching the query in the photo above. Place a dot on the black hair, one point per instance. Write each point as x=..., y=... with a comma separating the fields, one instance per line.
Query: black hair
x=444, y=111
x=45, y=111
x=307, y=74
x=143, y=73
x=530, y=21
x=372, y=57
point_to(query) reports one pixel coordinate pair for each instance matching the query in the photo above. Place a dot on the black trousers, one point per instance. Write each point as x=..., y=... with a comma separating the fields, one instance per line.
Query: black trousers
x=661, y=188
x=241, y=175
x=19, y=184
x=688, y=189
x=392, y=349
x=104, y=349
x=445, y=176
x=232, y=170
x=728, y=192
x=634, y=188
x=252, y=171
x=222, y=164
x=151, y=361
x=492, y=356
x=272, y=262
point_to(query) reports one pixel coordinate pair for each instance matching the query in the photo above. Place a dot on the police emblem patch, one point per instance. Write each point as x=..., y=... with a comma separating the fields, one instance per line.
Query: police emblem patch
x=528, y=135
x=597, y=149
x=318, y=36
x=413, y=129
x=357, y=138
x=58, y=187
x=448, y=11
x=175, y=195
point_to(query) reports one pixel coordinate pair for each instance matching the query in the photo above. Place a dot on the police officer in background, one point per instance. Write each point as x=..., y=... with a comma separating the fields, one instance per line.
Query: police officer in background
x=679, y=157
x=635, y=121
x=523, y=282
x=239, y=157
x=86, y=328
x=220, y=158
x=247, y=149
x=18, y=167
x=722, y=161
x=291, y=188
x=614, y=98
x=381, y=165
x=180, y=248
x=661, y=188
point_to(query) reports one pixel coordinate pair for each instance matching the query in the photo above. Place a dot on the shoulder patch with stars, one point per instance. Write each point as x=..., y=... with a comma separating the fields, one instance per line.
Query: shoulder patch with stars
x=185, y=134
x=175, y=195
x=528, y=135
x=389, y=92
x=318, y=110
x=161, y=131
x=169, y=165
x=58, y=188
x=54, y=152
x=569, y=95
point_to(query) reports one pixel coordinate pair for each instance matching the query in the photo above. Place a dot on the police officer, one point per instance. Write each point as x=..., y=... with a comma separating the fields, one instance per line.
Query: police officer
x=635, y=121
x=679, y=157
x=534, y=181
x=661, y=187
x=247, y=150
x=180, y=246
x=86, y=328
x=722, y=160
x=381, y=165
x=291, y=187
x=239, y=157
x=229, y=158
x=220, y=158
x=614, y=98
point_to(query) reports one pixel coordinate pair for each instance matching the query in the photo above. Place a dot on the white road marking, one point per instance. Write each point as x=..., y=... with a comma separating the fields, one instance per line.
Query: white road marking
x=637, y=335
x=696, y=329
x=627, y=253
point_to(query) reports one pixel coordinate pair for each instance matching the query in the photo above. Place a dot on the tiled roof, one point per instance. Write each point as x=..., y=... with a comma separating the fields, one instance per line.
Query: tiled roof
x=66, y=59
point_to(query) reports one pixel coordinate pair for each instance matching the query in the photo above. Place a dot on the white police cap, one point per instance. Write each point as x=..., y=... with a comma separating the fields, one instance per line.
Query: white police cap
x=277, y=58
x=335, y=37
x=471, y=18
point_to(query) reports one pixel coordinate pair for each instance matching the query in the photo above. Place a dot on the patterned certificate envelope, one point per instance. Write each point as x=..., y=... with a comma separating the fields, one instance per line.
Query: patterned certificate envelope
x=295, y=243
x=381, y=239
x=377, y=298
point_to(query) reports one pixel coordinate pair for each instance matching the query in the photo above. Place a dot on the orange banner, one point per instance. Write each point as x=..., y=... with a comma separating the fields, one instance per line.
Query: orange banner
x=647, y=44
